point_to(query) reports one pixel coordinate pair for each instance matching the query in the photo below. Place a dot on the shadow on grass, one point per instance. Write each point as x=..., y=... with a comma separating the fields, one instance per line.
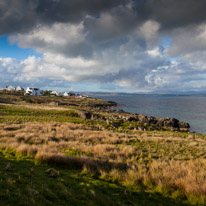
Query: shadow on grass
x=24, y=183
x=5, y=101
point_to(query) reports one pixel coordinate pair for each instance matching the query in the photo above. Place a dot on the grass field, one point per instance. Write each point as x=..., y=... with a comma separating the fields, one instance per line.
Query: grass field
x=22, y=182
x=21, y=115
x=54, y=157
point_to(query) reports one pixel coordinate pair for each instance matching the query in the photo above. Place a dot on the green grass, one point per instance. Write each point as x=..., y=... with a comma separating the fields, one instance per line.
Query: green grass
x=76, y=152
x=13, y=114
x=22, y=115
x=27, y=183
x=167, y=149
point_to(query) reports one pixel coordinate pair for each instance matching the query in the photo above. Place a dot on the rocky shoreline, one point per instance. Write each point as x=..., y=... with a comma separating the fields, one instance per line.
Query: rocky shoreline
x=99, y=110
x=116, y=118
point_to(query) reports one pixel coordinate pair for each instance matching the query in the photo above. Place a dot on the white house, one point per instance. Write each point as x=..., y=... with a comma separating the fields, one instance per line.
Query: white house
x=55, y=93
x=19, y=88
x=10, y=88
x=33, y=91
x=66, y=94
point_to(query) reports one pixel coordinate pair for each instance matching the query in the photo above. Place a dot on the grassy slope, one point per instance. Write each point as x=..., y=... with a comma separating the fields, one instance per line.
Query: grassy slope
x=21, y=115
x=20, y=186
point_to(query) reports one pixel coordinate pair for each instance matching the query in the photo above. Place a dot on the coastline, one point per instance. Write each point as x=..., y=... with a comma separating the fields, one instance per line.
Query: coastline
x=184, y=108
x=96, y=110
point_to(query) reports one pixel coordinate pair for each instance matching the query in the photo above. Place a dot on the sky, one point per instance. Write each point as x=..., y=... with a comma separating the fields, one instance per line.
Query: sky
x=100, y=45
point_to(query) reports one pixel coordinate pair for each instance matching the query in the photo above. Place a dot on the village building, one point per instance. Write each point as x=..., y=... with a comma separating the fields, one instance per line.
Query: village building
x=19, y=88
x=10, y=88
x=33, y=91
x=66, y=94
x=56, y=94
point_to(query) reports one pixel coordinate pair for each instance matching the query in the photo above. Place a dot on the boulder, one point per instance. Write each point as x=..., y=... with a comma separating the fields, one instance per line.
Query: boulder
x=85, y=115
x=152, y=120
x=143, y=119
x=132, y=118
x=160, y=122
x=97, y=117
x=171, y=122
x=183, y=125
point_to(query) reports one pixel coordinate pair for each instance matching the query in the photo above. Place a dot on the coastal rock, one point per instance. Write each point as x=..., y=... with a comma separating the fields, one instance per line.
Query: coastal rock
x=85, y=115
x=160, y=122
x=143, y=119
x=132, y=118
x=152, y=120
x=115, y=119
x=97, y=117
x=171, y=122
x=105, y=106
x=183, y=125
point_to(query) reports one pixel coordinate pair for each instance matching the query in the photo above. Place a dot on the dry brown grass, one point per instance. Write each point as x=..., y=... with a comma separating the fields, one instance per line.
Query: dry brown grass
x=156, y=160
x=188, y=177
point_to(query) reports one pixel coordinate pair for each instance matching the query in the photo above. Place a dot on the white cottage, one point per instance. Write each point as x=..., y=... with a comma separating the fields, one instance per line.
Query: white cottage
x=19, y=88
x=55, y=93
x=66, y=94
x=33, y=91
x=10, y=88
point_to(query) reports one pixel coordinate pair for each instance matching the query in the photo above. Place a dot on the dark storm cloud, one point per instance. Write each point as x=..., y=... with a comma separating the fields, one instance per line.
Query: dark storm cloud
x=73, y=10
x=176, y=13
x=112, y=24
x=22, y=15
x=17, y=15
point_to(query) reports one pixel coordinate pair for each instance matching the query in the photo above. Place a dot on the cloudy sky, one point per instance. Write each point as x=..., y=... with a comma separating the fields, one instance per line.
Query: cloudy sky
x=104, y=45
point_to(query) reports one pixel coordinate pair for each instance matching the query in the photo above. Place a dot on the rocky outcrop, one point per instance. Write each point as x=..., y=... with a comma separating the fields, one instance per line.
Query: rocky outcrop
x=85, y=114
x=116, y=119
x=184, y=126
x=90, y=115
x=105, y=106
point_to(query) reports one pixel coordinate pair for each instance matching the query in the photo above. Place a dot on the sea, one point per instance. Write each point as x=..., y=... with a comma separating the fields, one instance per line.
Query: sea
x=187, y=108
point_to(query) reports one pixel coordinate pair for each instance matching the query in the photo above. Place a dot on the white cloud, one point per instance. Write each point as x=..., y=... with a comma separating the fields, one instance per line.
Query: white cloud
x=150, y=31
x=155, y=52
x=187, y=40
x=107, y=50
x=58, y=38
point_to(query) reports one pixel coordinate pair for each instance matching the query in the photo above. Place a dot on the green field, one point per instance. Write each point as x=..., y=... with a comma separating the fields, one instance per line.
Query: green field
x=27, y=183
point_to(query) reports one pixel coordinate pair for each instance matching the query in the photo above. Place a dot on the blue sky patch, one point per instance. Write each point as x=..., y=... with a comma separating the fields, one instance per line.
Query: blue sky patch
x=13, y=51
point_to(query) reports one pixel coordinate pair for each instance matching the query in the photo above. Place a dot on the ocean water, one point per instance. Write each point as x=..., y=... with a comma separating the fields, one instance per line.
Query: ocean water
x=187, y=108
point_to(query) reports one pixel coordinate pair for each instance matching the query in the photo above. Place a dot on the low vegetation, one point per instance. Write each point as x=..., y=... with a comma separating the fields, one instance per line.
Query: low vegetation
x=51, y=156
x=23, y=114
x=169, y=164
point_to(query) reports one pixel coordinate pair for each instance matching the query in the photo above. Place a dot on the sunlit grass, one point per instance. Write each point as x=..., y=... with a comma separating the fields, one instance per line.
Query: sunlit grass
x=165, y=162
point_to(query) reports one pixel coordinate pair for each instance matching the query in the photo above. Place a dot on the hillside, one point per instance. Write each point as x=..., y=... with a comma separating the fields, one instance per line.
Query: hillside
x=61, y=151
